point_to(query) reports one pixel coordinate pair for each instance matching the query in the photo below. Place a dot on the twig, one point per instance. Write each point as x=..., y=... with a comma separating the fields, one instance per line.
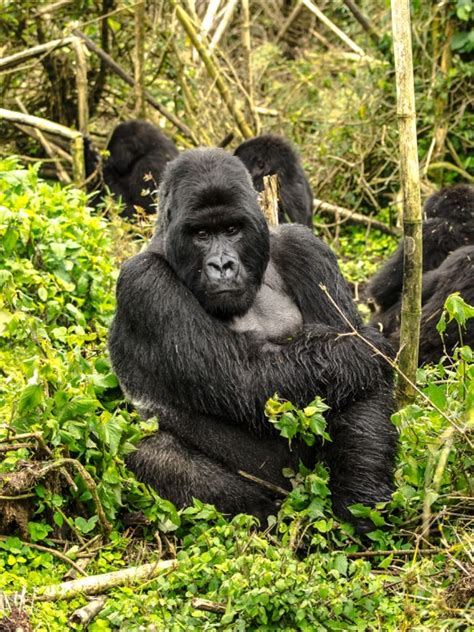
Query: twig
x=335, y=29
x=351, y=216
x=259, y=481
x=96, y=584
x=45, y=549
x=363, y=21
x=208, y=606
x=448, y=165
x=396, y=552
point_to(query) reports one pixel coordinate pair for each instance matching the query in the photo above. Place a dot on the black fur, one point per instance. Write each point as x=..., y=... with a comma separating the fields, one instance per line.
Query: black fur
x=269, y=155
x=449, y=226
x=138, y=154
x=176, y=351
x=455, y=274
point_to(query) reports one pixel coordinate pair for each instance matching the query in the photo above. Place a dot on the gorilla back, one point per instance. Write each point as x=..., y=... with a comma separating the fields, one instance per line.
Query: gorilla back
x=197, y=339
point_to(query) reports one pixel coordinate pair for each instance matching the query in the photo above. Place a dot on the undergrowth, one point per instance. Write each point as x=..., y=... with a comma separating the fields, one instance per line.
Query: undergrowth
x=66, y=431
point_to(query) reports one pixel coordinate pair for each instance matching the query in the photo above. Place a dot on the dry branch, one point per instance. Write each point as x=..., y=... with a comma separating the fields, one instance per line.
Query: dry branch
x=223, y=24
x=352, y=217
x=363, y=21
x=97, y=584
x=412, y=215
x=118, y=70
x=213, y=70
x=335, y=29
x=140, y=100
x=35, y=51
x=268, y=199
x=88, y=612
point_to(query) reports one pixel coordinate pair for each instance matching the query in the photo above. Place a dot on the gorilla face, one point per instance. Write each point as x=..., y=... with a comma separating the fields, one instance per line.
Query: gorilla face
x=215, y=236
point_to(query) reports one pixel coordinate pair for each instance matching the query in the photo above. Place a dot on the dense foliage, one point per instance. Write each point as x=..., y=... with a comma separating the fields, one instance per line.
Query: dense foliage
x=63, y=484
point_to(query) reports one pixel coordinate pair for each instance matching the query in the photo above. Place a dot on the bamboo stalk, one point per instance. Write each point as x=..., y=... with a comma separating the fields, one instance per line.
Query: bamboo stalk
x=40, y=123
x=213, y=70
x=363, y=21
x=247, y=51
x=223, y=24
x=412, y=215
x=140, y=100
x=81, y=85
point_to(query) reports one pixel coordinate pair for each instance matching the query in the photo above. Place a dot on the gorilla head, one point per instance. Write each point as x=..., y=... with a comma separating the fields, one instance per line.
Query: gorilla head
x=454, y=203
x=212, y=231
x=270, y=155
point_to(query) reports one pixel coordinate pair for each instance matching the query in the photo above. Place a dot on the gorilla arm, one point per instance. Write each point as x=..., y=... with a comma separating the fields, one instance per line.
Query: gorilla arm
x=166, y=350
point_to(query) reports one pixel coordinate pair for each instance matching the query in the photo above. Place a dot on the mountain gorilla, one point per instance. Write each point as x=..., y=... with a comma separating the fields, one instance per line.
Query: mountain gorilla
x=270, y=155
x=455, y=274
x=198, y=339
x=449, y=225
x=138, y=154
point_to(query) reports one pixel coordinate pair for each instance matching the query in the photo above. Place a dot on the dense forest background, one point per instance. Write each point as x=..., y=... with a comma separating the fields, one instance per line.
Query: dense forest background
x=68, y=505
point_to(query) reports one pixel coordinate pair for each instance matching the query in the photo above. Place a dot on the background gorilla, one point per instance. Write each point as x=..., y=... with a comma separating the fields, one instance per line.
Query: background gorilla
x=455, y=274
x=449, y=226
x=139, y=153
x=270, y=155
x=175, y=348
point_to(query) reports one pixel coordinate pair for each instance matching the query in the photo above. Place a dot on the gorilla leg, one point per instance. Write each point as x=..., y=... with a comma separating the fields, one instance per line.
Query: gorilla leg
x=361, y=455
x=179, y=473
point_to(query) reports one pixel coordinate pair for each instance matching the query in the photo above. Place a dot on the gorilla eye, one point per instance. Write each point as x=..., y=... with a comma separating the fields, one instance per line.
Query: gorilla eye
x=202, y=234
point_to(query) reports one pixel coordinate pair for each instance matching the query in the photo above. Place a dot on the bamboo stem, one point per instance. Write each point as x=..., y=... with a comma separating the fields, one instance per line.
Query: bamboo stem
x=412, y=215
x=140, y=100
x=81, y=85
x=35, y=51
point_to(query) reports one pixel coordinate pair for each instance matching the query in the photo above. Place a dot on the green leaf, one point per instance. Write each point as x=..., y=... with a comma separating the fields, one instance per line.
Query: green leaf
x=30, y=397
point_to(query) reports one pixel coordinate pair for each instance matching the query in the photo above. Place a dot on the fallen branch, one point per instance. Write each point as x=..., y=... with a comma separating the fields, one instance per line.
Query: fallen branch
x=35, y=51
x=351, y=216
x=96, y=584
x=118, y=70
x=88, y=612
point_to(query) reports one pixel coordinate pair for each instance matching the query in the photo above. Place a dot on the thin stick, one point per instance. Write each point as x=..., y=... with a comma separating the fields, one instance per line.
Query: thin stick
x=363, y=21
x=259, y=481
x=412, y=214
x=352, y=217
x=335, y=29
x=58, y=554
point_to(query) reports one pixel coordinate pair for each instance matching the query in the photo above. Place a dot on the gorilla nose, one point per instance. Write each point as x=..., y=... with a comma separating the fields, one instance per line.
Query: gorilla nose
x=222, y=268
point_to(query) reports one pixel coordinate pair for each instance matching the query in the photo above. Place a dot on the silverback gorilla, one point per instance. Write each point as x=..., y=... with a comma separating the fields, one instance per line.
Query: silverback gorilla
x=138, y=154
x=270, y=155
x=197, y=340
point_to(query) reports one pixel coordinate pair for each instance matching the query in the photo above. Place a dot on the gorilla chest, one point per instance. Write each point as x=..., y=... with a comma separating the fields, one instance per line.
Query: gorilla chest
x=273, y=315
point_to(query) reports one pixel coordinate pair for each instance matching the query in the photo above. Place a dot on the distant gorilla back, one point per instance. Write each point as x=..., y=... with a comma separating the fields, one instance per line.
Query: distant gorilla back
x=454, y=203
x=271, y=155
